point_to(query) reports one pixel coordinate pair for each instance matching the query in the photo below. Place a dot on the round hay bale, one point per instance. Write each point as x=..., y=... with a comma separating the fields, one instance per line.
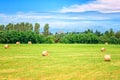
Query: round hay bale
x=106, y=43
x=107, y=57
x=6, y=46
x=44, y=53
x=103, y=49
x=17, y=42
x=29, y=42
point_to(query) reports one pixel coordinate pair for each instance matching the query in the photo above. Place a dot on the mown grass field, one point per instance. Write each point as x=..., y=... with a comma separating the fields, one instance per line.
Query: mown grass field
x=65, y=62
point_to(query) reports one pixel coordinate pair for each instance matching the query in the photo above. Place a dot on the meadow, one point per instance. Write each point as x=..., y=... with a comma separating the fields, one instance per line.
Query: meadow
x=64, y=62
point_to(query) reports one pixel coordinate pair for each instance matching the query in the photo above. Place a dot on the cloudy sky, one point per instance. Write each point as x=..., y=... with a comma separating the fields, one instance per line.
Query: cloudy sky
x=63, y=15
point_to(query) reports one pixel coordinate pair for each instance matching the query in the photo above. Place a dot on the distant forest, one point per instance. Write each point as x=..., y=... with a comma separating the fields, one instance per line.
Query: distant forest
x=24, y=32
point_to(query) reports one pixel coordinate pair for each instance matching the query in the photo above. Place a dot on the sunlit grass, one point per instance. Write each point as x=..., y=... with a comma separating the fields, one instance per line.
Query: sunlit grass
x=65, y=62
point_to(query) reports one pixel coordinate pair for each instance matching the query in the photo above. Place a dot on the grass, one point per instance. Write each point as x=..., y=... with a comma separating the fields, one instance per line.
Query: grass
x=65, y=62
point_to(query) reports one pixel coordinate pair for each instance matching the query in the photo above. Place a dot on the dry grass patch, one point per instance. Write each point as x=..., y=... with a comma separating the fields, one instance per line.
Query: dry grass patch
x=8, y=71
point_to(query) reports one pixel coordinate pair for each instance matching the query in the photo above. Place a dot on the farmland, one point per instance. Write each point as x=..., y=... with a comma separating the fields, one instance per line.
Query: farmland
x=64, y=62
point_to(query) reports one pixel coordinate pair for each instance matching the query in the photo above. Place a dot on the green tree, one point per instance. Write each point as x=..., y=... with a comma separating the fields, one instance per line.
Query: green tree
x=98, y=33
x=49, y=39
x=109, y=33
x=46, y=30
x=17, y=27
x=117, y=34
x=21, y=27
x=39, y=38
x=9, y=26
x=37, y=28
x=103, y=39
x=88, y=31
x=2, y=37
x=113, y=40
x=65, y=39
x=28, y=26
x=58, y=36
x=2, y=27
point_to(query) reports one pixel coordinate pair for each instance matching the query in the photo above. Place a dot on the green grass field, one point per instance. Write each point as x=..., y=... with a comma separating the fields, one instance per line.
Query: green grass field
x=65, y=62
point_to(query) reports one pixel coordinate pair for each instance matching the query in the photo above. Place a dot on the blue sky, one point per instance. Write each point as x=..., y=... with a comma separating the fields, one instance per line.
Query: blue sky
x=63, y=15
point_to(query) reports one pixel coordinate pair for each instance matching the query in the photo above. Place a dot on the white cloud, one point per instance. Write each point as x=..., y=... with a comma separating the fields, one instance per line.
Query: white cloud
x=66, y=22
x=104, y=6
x=23, y=17
x=31, y=15
x=52, y=17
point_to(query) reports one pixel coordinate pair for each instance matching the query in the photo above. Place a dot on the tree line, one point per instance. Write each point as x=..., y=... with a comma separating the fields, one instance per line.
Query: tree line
x=24, y=32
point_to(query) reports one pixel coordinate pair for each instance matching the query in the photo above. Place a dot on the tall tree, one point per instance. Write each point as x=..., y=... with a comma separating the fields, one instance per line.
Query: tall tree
x=109, y=33
x=9, y=26
x=2, y=27
x=46, y=30
x=22, y=28
x=117, y=34
x=37, y=28
x=88, y=31
x=28, y=27
x=97, y=33
x=112, y=32
x=17, y=27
